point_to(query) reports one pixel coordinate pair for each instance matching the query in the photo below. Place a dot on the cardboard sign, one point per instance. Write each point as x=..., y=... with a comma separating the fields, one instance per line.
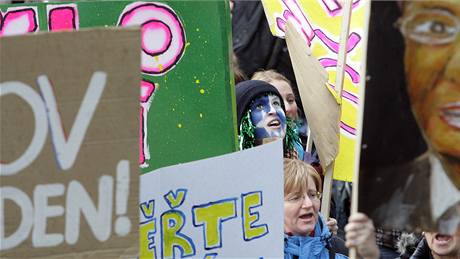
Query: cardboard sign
x=187, y=105
x=69, y=125
x=410, y=170
x=319, y=22
x=322, y=110
x=224, y=207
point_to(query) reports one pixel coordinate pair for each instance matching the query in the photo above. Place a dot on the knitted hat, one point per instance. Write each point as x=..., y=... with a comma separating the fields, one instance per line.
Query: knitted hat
x=249, y=90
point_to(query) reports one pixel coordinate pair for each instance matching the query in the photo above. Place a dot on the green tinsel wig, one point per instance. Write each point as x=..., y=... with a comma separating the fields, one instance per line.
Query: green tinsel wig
x=247, y=138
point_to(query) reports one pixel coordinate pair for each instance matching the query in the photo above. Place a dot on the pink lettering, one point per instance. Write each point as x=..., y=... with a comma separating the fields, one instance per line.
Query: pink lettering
x=296, y=15
x=333, y=7
x=329, y=62
x=163, y=35
x=18, y=21
x=62, y=17
x=347, y=129
x=353, y=41
x=147, y=90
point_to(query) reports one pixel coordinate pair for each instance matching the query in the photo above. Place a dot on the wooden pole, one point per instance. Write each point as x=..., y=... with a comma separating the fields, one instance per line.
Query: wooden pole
x=344, y=32
x=342, y=56
x=327, y=191
x=309, y=144
x=341, y=63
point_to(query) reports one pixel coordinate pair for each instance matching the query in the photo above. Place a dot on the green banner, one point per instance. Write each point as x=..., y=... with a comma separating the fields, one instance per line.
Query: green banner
x=187, y=101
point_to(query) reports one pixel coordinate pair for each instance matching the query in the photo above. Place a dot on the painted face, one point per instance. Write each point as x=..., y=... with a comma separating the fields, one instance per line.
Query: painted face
x=288, y=97
x=432, y=64
x=443, y=245
x=268, y=117
x=301, y=210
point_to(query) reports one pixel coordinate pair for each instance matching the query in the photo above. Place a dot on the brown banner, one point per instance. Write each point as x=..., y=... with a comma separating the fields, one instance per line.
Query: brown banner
x=69, y=144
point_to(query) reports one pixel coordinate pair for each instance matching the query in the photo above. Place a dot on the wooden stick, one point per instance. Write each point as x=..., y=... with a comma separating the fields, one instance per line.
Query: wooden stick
x=342, y=56
x=309, y=145
x=341, y=63
x=344, y=32
x=327, y=191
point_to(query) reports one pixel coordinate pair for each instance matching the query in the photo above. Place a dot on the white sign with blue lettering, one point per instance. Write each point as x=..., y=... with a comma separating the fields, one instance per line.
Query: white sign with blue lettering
x=229, y=206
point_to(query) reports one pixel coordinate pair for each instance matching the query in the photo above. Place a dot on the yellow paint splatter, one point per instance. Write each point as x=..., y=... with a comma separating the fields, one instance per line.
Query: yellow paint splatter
x=156, y=58
x=197, y=81
x=201, y=115
x=160, y=66
x=179, y=125
x=201, y=91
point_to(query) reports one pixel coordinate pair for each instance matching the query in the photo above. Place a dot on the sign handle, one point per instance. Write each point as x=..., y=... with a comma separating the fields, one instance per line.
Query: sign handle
x=342, y=56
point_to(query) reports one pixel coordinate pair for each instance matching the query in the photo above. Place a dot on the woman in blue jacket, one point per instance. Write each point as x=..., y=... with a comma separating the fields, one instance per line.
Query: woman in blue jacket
x=306, y=233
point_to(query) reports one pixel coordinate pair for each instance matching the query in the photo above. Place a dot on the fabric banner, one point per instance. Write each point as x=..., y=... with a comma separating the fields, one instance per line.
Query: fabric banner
x=320, y=23
x=229, y=206
x=69, y=172
x=410, y=169
x=187, y=106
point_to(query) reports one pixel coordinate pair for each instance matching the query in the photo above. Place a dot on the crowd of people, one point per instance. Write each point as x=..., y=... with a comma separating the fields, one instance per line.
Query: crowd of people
x=262, y=116
x=268, y=107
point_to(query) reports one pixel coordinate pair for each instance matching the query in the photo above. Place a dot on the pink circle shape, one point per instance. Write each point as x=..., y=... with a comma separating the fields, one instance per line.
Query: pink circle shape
x=156, y=37
x=158, y=56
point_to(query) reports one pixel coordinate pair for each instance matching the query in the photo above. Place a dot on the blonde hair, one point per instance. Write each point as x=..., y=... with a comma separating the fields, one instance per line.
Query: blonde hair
x=296, y=176
x=269, y=76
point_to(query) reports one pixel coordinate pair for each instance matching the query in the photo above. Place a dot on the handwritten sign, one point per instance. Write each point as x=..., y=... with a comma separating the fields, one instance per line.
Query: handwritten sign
x=215, y=208
x=68, y=172
x=319, y=22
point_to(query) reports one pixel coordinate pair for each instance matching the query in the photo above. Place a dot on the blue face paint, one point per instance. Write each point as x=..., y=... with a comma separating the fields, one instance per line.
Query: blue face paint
x=268, y=117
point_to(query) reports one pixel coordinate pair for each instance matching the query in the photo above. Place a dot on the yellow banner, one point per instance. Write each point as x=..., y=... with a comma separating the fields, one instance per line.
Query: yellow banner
x=320, y=23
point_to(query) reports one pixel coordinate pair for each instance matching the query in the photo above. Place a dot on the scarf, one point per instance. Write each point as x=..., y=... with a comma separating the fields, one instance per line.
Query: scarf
x=309, y=247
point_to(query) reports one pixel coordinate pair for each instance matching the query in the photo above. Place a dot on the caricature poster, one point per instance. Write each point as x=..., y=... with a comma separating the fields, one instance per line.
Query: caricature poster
x=410, y=162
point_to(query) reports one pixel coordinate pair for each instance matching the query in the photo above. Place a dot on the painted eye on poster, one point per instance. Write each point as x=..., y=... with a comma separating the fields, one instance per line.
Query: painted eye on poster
x=163, y=35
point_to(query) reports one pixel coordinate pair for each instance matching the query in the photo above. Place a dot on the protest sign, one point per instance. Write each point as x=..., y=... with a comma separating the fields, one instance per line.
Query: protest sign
x=187, y=105
x=410, y=175
x=229, y=206
x=312, y=78
x=69, y=126
x=319, y=23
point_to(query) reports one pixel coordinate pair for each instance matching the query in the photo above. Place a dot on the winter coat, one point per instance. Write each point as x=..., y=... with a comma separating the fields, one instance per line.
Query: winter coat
x=422, y=251
x=310, y=247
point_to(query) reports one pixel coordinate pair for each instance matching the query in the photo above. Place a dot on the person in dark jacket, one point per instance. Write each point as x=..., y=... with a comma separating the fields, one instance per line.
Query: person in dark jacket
x=437, y=246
